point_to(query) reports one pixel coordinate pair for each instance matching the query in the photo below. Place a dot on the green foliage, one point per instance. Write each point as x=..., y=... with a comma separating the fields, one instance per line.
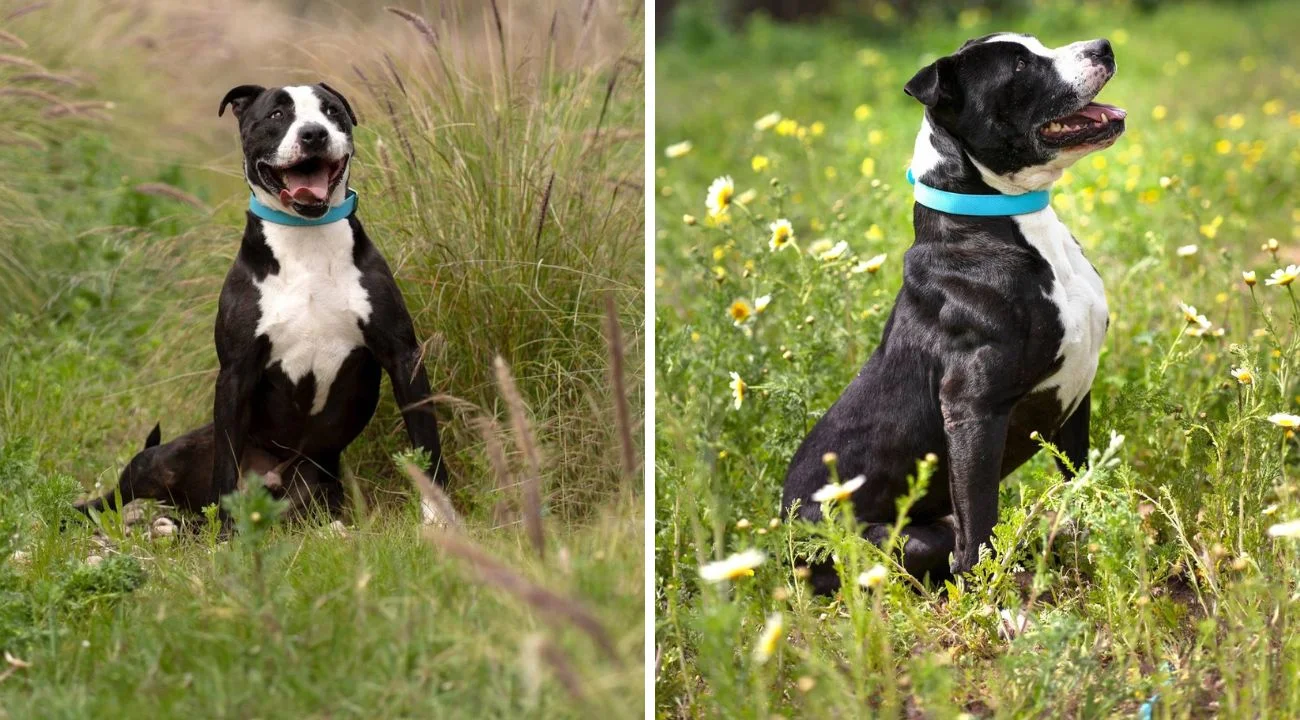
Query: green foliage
x=1153, y=571
x=254, y=511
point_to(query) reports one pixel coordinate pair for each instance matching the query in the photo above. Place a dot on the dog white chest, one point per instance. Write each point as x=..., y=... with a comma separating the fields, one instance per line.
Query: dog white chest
x=313, y=309
x=1080, y=299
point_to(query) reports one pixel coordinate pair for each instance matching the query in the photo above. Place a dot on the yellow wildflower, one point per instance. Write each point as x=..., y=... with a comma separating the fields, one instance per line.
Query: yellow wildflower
x=738, y=388
x=1288, y=529
x=874, y=577
x=1211, y=229
x=740, y=312
x=767, y=121
x=734, y=567
x=836, y=492
x=782, y=234
x=768, y=640
x=678, y=149
x=870, y=265
x=1285, y=420
x=719, y=197
x=1283, y=276
x=835, y=252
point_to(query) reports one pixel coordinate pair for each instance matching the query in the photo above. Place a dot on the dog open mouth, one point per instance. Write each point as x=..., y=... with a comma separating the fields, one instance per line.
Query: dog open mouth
x=1092, y=124
x=308, y=183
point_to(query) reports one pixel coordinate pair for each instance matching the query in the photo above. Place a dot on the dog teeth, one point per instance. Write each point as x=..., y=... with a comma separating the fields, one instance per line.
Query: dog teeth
x=1105, y=119
x=1054, y=128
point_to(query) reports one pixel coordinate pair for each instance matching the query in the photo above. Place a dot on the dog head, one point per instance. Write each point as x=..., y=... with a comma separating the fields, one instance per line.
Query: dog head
x=297, y=144
x=1021, y=111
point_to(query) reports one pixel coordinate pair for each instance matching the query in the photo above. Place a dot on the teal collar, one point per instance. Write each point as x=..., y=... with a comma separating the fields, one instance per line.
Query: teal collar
x=981, y=205
x=279, y=217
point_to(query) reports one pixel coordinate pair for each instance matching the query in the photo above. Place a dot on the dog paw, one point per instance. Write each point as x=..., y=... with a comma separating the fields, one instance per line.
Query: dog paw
x=1013, y=624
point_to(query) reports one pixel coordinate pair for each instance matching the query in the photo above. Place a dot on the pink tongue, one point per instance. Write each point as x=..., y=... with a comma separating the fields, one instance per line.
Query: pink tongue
x=1095, y=112
x=306, y=188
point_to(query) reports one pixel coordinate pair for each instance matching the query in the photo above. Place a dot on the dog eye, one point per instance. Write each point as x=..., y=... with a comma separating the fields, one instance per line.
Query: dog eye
x=1020, y=65
x=277, y=114
x=331, y=110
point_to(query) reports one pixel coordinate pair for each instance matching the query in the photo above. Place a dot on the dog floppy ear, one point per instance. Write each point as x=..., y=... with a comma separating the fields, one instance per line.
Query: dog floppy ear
x=351, y=115
x=239, y=98
x=155, y=436
x=933, y=83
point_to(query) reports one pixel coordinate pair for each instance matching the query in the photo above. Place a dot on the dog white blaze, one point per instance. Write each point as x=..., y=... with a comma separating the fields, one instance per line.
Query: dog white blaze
x=306, y=111
x=313, y=308
x=1080, y=299
x=1076, y=70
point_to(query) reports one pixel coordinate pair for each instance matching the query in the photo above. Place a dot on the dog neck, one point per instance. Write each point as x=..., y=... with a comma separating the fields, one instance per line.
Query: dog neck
x=940, y=161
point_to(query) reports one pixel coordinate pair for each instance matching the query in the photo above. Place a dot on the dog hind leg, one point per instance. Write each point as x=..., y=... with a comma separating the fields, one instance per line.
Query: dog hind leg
x=926, y=547
x=926, y=550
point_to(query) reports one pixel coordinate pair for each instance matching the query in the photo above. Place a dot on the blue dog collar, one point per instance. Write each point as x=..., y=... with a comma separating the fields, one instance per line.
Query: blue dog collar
x=279, y=217
x=982, y=205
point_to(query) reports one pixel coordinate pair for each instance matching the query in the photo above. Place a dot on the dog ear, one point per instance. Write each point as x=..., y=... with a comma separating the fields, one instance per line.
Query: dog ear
x=155, y=436
x=239, y=98
x=933, y=83
x=351, y=115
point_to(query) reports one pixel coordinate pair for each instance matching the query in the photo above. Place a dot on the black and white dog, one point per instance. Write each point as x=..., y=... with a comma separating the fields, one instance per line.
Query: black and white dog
x=309, y=313
x=308, y=316
x=997, y=329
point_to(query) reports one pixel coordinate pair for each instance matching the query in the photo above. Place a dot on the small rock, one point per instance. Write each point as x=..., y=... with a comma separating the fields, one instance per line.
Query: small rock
x=163, y=527
x=338, y=528
x=94, y=560
x=21, y=557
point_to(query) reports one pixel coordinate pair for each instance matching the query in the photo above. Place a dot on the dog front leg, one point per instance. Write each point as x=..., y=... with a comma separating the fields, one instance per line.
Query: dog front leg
x=399, y=353
x=1072, y=438
x=231, y=416
x=976, y=440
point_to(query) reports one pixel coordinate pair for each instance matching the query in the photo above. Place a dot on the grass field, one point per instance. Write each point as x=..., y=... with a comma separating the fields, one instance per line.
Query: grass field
x=499, y=169
x=1151, y=586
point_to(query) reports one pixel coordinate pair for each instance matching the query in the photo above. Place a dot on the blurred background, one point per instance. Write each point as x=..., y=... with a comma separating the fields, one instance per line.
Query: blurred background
x=863, y=15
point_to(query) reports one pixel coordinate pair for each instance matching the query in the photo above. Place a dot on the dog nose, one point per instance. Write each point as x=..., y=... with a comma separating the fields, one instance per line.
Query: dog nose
x=313, y=136
x=1100, y=52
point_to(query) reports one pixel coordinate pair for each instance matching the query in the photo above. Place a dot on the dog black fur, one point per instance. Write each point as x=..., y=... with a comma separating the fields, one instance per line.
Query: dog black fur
x=980, y=349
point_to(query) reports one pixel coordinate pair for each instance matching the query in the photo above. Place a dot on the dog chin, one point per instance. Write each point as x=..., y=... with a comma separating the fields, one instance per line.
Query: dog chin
x=313, y=210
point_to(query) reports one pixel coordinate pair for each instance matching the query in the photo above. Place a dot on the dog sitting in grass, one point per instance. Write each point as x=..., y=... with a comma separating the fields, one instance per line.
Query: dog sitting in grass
x=308, y=319
x=995, y=336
